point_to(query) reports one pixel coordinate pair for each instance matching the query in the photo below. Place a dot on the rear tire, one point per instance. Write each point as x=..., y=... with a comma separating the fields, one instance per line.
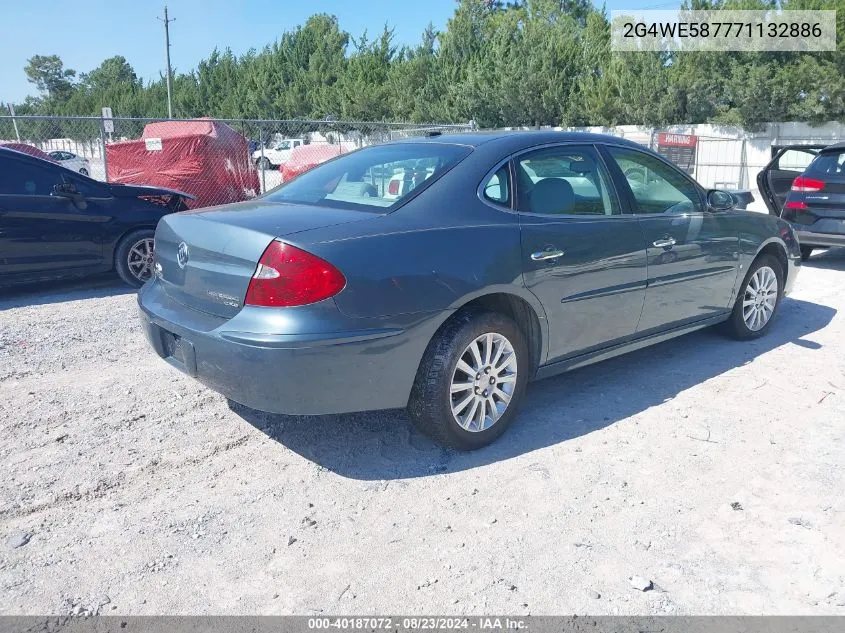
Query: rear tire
x=133, y=257
x=83, y=171
x=806, y=253
x=757, y=301
x=492, y=395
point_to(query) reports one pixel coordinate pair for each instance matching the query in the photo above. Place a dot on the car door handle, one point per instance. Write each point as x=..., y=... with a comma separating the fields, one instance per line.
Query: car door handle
x=544, y=256
x=665, y=242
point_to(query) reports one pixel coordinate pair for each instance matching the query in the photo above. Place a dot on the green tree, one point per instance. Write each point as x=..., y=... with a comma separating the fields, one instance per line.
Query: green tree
x=50, y=76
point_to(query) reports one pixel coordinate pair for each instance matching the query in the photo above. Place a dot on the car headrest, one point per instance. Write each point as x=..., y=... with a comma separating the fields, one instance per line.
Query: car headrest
x=551, y=195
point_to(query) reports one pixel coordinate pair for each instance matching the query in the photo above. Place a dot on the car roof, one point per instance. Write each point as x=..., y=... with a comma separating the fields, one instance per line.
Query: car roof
x=526, y=138
x=835, y=147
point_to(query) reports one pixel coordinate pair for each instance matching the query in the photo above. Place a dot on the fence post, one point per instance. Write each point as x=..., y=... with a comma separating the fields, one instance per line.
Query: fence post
x=261, y=162
x=103, y=149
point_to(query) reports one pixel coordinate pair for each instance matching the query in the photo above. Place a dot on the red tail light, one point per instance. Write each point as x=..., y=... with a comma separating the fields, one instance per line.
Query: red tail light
x=393, y=187
x=802, y=183
x=795, y=204
x=288, y=276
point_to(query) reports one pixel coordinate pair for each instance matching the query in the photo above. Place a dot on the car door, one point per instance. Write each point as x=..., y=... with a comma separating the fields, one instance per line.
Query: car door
x=582, y=257
x=693, y=253
x=41, y=232
x=776, y=178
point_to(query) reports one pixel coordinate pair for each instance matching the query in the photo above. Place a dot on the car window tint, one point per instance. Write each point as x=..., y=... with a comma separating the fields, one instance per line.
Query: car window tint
x=564, y=180
x=828, y=163
x=21, y=178
x=794, y=160
x=657, y=187
x=376, y=177
x=497, y=187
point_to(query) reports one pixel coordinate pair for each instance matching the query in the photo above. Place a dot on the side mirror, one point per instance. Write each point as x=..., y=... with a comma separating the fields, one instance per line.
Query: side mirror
x=719, y=200
x=67, y=190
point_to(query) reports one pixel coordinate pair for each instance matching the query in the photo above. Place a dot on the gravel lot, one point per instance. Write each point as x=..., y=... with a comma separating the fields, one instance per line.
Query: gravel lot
x=711, y=469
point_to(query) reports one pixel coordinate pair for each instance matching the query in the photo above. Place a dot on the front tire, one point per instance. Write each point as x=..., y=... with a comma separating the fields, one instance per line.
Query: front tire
x=83, y=171
x=471, y=380
x=758, y=300
x=133, y=257
x=264, y=163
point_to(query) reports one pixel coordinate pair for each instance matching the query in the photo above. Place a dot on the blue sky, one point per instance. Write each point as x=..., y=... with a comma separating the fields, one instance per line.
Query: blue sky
x=84, y=32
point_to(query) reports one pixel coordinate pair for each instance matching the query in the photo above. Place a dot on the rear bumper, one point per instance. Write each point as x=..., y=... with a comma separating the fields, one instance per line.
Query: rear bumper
x=810, y=238
x=337, y=371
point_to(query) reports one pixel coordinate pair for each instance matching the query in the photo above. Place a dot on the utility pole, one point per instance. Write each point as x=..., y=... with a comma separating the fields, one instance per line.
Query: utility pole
x=167, y=22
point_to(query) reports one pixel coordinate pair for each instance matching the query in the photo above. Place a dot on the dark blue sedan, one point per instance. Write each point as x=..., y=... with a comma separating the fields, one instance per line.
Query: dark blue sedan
x=56, y=223
x=504, y=257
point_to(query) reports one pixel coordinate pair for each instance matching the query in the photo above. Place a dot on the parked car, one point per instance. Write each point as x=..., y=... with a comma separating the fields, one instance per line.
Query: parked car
x=56, y=223
x=27, y=149
x=449, y=299
x=306, y=157
x=815, y=203
x=72, y=161
x=276, y=154
x=775, y=179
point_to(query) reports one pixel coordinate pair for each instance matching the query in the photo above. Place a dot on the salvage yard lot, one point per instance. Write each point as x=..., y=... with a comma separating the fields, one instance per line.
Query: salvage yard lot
x=712, y=468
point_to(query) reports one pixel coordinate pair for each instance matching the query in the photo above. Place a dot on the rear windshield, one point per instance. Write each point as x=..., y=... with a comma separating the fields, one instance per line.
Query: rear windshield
x=371, y=179
x=828, y=163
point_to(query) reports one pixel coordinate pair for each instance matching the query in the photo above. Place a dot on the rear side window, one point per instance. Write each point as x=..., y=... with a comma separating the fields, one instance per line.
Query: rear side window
x=373, y=178
x=497, y=187
x=564, y=180
x=828, y=163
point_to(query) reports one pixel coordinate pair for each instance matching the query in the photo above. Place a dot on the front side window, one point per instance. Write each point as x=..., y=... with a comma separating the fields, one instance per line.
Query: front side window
x=657, y=187
x=566, y=180
x=373, y=178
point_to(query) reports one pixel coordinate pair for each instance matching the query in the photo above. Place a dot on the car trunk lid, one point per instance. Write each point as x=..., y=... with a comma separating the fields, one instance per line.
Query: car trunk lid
x=206, y=259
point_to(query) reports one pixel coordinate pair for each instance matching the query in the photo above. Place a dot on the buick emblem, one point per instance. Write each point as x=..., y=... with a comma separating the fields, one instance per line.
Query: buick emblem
x=182, y=254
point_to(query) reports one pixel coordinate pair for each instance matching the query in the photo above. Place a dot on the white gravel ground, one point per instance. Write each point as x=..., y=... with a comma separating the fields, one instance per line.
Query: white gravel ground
x=711, y=469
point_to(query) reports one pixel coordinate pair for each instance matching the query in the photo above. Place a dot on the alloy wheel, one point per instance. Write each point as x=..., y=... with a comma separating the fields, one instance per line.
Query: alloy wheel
x=483, y=382
x=140, y=259
x=760, y=299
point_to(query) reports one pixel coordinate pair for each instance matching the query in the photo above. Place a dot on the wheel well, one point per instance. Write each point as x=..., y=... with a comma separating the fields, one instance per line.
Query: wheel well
x=777, y=251
x=521, y=312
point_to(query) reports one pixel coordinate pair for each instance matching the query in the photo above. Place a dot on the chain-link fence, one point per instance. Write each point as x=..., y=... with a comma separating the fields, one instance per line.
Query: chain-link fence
x=224, y=160
x=731, y=161
x=216, y=160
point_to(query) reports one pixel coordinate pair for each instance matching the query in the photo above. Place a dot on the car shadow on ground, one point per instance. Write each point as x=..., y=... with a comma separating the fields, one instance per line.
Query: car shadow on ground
x=95, y=287
x=383, y=445
x=831, y=259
